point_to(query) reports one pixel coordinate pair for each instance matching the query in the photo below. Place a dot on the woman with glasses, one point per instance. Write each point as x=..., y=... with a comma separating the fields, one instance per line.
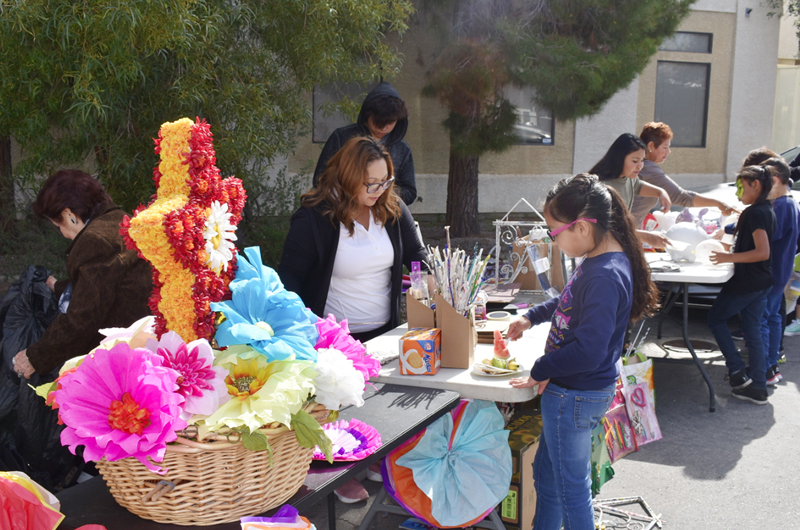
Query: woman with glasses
x=346, y=248
x=349, y=240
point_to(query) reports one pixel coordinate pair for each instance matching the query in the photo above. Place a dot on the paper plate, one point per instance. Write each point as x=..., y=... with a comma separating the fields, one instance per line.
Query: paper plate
x=478, y=369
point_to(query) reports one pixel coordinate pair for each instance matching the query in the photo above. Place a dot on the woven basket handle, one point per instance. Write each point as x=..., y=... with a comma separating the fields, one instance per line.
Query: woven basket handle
x=163, y=487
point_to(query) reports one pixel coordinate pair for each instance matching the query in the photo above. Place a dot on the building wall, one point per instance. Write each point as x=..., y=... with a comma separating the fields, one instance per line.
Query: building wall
x=740, y=110
x=692, y=163
x=753, y=90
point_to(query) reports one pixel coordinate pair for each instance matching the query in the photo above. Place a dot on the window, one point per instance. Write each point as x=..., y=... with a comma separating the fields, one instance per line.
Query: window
x=682, y=101
x=686, y=41
x=534, y=125
x=326, y=118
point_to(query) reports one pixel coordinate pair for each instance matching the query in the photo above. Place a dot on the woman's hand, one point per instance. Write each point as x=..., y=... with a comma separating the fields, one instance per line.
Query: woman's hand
x=718, y=257
x=51, y=283
x=517, y=327
x=719, y=234
x=725, y=209
x=527, y=382
x=22, y=366
x=666, y=204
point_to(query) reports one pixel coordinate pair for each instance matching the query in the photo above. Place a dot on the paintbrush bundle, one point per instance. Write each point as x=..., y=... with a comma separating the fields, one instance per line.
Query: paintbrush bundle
x=458, y=276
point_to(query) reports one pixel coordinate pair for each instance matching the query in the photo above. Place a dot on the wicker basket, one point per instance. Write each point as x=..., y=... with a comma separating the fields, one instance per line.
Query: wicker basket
x=215, y=482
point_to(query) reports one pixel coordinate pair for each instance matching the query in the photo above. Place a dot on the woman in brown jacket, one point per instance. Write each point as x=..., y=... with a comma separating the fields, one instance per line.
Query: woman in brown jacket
x=108, y=284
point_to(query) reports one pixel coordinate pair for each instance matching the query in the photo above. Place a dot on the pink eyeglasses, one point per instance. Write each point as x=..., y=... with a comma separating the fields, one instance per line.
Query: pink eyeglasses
x=553, y=233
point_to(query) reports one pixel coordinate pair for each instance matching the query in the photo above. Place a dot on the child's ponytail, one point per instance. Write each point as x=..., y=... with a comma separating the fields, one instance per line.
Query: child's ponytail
x=585, y=196
x=645, y=292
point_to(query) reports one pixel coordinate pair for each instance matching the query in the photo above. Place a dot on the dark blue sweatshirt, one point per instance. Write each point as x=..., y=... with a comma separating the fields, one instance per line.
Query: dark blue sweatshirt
x=783, y=245
x=588, y=323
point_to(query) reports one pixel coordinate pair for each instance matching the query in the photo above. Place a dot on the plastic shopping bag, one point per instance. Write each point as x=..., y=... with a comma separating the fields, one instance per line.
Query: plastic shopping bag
x=639, y=390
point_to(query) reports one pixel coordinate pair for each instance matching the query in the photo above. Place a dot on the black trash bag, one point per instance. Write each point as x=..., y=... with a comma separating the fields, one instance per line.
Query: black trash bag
x=28, y=427
x=26, y=311
x=37, y=435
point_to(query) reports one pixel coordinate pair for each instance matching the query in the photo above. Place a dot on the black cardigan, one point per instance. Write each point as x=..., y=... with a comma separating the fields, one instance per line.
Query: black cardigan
x=310, y=250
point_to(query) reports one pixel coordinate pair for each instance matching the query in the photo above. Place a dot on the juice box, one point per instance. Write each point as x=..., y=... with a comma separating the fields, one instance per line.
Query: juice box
x=421, y=351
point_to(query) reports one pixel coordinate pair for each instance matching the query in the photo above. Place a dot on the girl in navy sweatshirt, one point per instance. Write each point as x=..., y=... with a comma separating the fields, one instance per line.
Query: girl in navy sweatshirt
x=577, y=374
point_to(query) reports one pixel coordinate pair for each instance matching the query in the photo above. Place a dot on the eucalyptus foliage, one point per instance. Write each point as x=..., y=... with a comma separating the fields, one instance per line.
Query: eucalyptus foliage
x=90, y=81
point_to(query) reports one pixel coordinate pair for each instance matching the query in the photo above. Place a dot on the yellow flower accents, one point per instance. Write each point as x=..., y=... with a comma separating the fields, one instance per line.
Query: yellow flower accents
x=186, y=232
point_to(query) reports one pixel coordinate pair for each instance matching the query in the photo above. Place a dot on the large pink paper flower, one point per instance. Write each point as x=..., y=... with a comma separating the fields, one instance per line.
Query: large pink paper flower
x=201, y=383
x=337, y=336
x=120, y=403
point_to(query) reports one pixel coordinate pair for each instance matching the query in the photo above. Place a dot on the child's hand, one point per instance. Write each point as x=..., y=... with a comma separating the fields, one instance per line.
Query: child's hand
x=718, y=257
x=516, y=328
x=654, y=239
x=527, y=382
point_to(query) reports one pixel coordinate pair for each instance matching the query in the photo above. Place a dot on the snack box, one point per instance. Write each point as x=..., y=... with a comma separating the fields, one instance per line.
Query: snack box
x=421, y=351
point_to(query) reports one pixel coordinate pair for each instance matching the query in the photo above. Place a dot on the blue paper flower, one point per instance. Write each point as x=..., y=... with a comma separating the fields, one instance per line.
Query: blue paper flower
x=264, y=315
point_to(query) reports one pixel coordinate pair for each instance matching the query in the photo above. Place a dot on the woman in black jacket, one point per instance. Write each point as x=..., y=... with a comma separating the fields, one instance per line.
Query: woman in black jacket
x=355, y=215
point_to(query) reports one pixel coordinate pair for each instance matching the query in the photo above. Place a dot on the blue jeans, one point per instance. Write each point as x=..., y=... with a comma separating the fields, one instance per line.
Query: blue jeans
x=750, y=306
x=562, y=469
x=772, y=327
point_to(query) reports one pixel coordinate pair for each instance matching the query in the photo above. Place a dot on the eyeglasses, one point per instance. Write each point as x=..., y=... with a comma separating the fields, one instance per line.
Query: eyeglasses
x=553, y=233
x=375, y=186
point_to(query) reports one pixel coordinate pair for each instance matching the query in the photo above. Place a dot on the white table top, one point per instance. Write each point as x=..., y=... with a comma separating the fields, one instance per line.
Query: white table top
x=526, y=350
x=689, y=272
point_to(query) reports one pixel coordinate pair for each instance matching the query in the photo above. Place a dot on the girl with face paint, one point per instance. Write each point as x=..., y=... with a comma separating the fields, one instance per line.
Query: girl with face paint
x=746, y=292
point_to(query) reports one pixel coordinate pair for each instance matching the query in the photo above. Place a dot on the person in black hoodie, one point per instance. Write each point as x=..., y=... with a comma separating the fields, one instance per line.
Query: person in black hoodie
x=384, y=117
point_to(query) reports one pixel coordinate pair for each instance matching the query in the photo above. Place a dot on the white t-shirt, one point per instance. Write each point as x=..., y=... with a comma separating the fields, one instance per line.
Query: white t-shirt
x=360, y=288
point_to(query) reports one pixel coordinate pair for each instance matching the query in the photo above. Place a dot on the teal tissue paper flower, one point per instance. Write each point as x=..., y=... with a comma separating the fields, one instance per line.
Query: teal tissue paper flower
x=264, y=315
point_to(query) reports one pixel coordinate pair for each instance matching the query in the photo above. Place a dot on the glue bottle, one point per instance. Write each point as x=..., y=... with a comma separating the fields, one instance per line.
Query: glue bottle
x=419, y=287
x=480, y=305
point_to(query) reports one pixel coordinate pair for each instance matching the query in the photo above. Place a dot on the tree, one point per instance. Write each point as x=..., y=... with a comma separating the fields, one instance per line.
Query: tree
x=575, y=54
x=789, y=7
x=93, y=80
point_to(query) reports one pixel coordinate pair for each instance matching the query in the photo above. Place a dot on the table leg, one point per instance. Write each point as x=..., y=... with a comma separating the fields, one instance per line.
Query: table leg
x=711, y=397
x=331, y=511
x=669, y=300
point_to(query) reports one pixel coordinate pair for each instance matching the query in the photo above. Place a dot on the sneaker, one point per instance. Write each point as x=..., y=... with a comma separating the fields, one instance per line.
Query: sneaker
x=782, y=359
x=737, y=334
x=773, y=375
x=751, y=394
x=792, y=329
x=739, y=379
x=374, y=472
x=351, y=492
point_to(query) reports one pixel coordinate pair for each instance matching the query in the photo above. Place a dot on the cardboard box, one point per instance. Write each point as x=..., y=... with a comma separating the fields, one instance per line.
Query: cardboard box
x=458, y=335
x=421, y=351
x=418, y=314
x=518, y=508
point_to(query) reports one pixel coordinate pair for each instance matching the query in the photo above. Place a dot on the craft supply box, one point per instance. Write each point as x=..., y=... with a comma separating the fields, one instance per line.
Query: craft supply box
x=459, y=336
x=421, y=351
x=518, y=508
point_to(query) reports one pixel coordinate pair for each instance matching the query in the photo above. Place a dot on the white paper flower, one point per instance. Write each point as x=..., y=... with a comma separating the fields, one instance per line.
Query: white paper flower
x=338, y=384
x=219, y=234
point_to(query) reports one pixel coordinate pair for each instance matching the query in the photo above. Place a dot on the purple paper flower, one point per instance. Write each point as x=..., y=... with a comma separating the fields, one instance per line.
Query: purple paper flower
x=121, y=403
x=201, y=383
x=353, y=440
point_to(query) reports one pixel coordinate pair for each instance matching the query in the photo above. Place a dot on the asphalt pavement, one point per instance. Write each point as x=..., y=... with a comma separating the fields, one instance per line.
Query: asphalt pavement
x=735, y=468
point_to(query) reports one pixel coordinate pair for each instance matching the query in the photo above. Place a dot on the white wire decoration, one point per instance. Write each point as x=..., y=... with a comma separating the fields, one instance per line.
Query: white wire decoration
x=510, y=245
